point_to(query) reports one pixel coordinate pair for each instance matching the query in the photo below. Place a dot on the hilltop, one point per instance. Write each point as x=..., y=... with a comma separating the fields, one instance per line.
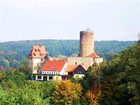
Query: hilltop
x=14, y=52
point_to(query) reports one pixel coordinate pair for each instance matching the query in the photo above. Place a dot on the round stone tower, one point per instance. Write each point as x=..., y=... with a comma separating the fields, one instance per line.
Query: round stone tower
x=86, y=43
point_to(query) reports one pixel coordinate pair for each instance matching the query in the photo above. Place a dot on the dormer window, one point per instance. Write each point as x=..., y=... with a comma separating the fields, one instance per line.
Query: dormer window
x=35, y=49
x=38, y=49
x=34, y=54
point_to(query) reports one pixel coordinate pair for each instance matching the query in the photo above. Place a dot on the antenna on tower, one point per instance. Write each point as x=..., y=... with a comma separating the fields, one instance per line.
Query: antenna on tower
x=88, y=29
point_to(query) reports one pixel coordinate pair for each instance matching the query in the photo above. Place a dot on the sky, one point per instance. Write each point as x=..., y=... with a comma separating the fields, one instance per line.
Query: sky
x=64, y=19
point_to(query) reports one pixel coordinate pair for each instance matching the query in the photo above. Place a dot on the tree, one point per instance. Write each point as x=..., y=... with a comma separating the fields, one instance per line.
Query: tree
x=120, y=80
x=91, y=84
x=66, y=93
x=1, y=75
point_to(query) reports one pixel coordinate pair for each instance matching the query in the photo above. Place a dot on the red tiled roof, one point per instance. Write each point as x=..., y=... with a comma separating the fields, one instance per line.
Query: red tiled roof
x=93, y=55
x=37, y=51
x=55, y=65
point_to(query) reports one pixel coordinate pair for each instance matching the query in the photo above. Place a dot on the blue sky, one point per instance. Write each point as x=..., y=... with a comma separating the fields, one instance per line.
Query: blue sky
x=63, y=19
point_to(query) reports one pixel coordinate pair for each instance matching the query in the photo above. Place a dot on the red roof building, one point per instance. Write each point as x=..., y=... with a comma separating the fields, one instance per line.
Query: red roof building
x=37, y=51
x=54, y=67
x=77, y=72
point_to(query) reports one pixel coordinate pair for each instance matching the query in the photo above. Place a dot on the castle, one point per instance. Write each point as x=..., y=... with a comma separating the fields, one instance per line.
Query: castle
x=47, y=69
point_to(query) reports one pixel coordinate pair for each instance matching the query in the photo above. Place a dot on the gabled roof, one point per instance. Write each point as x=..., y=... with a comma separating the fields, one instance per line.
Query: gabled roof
x=93, y=55
x=79, y=70
x=38, y=51
x=55, y=65
x=71, y=68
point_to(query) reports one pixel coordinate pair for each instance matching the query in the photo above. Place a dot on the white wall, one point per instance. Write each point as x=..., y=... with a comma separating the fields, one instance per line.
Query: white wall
x=64, y=69
x=79, y=75
x=80, y=61
x=98, y=60
x=34, y=64
x=51, y=72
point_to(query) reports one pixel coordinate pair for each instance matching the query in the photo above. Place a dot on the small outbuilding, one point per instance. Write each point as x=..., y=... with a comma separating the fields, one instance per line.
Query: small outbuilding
x=78, y=72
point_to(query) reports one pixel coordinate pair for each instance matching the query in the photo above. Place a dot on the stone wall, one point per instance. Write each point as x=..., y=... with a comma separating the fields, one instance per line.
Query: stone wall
x=85, y=61
x=86, y=43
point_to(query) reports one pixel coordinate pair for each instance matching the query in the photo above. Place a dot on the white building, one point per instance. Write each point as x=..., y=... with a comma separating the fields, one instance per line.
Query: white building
x=37, y=56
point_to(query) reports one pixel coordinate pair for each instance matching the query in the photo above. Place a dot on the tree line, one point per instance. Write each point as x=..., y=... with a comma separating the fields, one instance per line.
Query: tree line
x=13, y=54
x=114, y=82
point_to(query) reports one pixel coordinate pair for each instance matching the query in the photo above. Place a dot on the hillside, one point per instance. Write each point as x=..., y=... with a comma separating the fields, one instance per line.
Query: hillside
x=13, y=53
x=121, y=82
x=114, y=82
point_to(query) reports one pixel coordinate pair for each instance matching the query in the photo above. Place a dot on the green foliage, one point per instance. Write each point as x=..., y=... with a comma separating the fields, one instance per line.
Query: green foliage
x=13, y=53
x=14, y=76
x=66, y=93
x=115, y=82
x=120, y=80
x=16, y=89
x=47, y=88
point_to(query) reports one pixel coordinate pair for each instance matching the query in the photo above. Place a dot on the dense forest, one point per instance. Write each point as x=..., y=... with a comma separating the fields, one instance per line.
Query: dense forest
x=114, y=82
x=13, y=54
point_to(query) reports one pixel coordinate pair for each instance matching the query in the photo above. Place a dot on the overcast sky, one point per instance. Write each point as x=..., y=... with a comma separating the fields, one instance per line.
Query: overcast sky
x=63, y=19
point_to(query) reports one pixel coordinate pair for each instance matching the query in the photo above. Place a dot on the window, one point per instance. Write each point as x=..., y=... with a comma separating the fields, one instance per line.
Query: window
x=45, y=78
x=35, y=49
x=38, y=49
x=39, y=77
x=50, y=78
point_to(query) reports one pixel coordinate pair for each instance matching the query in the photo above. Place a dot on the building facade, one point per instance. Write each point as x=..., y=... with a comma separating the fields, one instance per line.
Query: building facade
x=37, y=56
x=45, y=69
